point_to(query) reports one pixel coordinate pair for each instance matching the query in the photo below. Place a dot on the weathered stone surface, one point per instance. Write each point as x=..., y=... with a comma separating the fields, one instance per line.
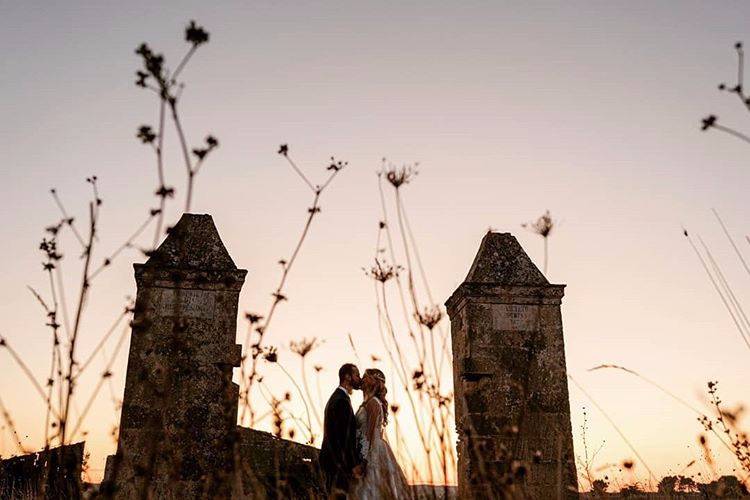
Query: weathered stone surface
x=193, y=243
x=277, y=467
x=501, y=260
x=510, y=378
x=178, y=423
x=55, y=473
x=178, y=433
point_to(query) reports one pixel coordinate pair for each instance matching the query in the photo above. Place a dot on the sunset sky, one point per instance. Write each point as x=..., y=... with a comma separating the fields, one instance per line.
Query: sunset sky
x=589, y=109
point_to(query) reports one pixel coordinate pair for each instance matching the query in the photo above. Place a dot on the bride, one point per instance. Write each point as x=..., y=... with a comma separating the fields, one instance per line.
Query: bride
x=382, y=477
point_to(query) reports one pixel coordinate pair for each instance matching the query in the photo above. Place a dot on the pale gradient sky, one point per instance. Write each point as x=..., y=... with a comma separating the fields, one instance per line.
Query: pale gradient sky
x=589, y=109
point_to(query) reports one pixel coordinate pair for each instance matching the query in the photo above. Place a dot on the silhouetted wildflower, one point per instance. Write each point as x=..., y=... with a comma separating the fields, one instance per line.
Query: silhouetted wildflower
x=195, y=34
x=49, y=247
x=336, y=165
x=146, y=134
x=211, y=144
x=165, y=192
x=141, y=78
x=271, y=355
x=253, y=318
x=382, y=272
x=542, y=226
x=708, y=122
x=399, y=176
x=152, y=63
x=419, y=379
x=430, y=317
x=304, y=346
x=278, y=420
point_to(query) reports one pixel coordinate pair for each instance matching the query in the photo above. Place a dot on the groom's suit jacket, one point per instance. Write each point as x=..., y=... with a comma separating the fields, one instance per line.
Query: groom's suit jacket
x=338, y=453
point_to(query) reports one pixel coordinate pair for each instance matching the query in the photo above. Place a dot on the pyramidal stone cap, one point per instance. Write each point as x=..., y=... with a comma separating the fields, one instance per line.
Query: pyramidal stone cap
x=192, y=244
x=502, y=270
x=502, y=261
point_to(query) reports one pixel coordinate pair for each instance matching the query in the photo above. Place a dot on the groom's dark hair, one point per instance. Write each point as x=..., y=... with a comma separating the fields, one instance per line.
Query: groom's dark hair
x=346, y=369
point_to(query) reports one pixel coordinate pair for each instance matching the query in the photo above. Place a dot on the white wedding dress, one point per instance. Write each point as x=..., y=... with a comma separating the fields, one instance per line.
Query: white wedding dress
x=383, y=478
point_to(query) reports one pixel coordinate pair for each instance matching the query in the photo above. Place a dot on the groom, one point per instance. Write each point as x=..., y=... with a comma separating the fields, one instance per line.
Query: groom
x=339, y=459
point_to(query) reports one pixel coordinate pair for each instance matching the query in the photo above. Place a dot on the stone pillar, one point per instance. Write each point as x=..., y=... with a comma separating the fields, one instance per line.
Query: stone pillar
x=512, y=408
x=179, y=409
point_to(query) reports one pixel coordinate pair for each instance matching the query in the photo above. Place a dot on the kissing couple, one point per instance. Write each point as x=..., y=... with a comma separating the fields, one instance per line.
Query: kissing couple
x=355, y=458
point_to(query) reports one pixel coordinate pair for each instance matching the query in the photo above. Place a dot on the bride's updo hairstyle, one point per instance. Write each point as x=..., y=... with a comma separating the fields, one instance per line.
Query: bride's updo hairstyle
x=380, y=390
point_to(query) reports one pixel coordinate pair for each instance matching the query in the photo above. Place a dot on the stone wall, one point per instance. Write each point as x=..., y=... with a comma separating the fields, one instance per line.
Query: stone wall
x=55, y=473
x=279, y=468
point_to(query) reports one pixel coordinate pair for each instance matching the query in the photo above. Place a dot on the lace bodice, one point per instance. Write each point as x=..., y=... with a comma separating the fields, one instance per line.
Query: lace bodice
x=363, y=442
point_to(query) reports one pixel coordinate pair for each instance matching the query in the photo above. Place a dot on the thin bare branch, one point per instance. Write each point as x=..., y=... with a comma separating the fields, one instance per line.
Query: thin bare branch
x=731, y=240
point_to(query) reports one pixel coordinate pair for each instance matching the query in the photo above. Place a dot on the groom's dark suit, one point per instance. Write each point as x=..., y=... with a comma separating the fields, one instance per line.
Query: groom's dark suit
x=338, y=453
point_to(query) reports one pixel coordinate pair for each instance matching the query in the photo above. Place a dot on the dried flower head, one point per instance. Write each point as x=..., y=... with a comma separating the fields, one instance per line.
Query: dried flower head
x=165, y=192
x=399, y=176
x=382, y=272
x=335, y=165
x=419, y=379
x=141, y=78
x=708, y=122
x=430, y=317
x=270, y=354
x=211, y=144
x=153, y=64
x=146, y=134
x=195, y=34
x=542, y=226
x=253, y=318
x=304, y=346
